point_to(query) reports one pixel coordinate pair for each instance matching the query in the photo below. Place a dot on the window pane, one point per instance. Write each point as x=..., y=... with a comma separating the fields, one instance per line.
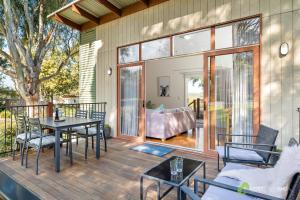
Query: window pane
x=241, y=33
x=192, y=42
x=129, y=54
x=156, y=49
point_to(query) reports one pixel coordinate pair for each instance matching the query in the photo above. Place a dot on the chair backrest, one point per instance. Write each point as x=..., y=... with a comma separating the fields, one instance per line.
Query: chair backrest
x=99, y=116
x=266, y=135
x=293, y=142
x=35, y=126
x=294, y=188
x=81, y=114
x=21, y=123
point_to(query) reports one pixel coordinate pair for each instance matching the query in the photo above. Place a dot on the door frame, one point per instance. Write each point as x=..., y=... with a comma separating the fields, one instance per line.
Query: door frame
x=142, y=122
x=255, y=49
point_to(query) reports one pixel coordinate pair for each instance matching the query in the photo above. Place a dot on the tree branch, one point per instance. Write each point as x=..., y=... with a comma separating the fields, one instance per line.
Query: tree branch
x=6, y=56
x=8, y=72
x=29, y=22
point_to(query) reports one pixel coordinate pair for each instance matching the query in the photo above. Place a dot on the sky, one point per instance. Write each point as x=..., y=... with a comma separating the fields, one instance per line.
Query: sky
x=8, y=82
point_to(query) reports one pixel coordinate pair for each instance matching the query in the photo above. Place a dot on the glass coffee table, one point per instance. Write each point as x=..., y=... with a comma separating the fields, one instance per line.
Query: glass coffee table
x=162, y=175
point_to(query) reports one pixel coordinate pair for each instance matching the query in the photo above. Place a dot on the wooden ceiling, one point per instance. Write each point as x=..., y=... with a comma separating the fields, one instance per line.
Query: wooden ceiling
x=86, y=14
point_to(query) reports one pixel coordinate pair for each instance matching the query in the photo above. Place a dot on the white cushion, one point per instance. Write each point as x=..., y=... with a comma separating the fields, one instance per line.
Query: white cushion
x=91, y=131
x=46, y=140
x=75, y=129
x=239, y=154
x=22, y=136
x=272, y=181
x=216, y=193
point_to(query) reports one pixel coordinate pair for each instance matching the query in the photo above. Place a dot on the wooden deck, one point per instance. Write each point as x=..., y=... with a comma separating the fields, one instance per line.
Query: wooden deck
x=114, y=176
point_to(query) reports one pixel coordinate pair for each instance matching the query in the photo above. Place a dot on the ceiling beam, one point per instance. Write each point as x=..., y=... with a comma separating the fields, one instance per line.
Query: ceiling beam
x=85, y=14
x=111, y=7
x=66, y=21
x=146, y=2
x=128, y=10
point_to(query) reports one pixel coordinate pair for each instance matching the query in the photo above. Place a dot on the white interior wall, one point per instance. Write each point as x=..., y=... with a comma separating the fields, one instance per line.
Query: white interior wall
x=175, y=68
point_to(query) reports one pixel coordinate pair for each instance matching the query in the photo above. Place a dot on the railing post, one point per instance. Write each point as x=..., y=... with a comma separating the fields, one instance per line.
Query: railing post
x=198, y=108
x=50, y=109
x=194, y=105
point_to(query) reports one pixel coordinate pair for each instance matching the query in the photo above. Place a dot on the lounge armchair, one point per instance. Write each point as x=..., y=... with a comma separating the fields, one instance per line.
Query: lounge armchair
x=225, y=188
x=248, y=153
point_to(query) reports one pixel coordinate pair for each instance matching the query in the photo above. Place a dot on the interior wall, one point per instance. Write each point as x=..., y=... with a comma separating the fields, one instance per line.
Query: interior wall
x=175, y=68
x=280, y=77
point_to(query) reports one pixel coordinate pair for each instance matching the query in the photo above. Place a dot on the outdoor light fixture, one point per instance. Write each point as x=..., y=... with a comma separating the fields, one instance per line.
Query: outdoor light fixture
x=284, y=49
x=109, y=71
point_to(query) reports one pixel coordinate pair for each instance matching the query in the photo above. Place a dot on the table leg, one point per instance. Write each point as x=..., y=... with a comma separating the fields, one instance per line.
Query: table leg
x=141, y=188
x=180, y=195
x=204, y=176
x=98, y=141
x=158, y=190
x=57, y=150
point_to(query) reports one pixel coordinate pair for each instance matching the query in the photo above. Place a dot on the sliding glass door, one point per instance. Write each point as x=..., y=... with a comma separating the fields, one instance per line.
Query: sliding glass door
x=232, y=95
x=131, y=100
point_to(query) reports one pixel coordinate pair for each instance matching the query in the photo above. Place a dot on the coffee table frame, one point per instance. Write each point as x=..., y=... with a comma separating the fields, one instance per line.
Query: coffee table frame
x=171, y=184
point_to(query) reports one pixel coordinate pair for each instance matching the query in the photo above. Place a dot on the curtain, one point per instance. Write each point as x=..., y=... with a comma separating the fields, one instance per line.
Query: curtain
x=130, y=94
x=234, y=95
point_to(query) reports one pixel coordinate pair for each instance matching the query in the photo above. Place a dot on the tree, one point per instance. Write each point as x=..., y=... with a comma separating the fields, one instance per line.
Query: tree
x=30, y=37
x=66, y=83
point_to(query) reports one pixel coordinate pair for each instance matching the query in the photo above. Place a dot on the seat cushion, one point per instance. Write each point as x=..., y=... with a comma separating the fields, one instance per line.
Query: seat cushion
x=91, y=131
x=46, y=140
x=239, y=154
x=22, y=136
x=75, y=129
x=216, y=193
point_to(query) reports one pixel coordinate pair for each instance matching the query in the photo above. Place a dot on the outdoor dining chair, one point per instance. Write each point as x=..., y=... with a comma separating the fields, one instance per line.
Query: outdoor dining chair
x=37, y=144
x=91, y=132
x=225, y=188
x=22, y=135
x=248, y=152
x=67, y=133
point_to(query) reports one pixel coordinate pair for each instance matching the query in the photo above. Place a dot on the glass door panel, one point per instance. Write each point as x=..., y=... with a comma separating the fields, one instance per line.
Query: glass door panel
x=230, y=96
x=131, y=101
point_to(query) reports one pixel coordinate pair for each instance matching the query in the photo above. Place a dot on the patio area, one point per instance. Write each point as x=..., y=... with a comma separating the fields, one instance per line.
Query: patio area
x=114, y=176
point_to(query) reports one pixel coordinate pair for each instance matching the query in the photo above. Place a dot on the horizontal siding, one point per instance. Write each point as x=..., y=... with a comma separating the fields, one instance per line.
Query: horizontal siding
x=87, y=77
x=280, y=91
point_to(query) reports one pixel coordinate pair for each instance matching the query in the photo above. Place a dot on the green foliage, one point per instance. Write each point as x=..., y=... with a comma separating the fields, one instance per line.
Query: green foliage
x=4, y=114
x=66, y=83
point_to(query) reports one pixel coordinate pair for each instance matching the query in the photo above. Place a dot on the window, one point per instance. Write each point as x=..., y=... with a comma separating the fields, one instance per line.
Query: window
x=156, y=49
x=192, y=42
x=129, y=54
x=240, y=33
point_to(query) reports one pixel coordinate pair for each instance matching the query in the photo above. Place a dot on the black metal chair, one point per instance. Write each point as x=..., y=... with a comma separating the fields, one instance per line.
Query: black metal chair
x=248, y=152
x=92, y=131
x=22, y=135
x=67, y=133
x=226, y=188
x=38, y=143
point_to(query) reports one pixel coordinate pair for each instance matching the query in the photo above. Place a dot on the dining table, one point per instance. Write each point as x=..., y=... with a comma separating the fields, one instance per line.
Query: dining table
x=68, y=123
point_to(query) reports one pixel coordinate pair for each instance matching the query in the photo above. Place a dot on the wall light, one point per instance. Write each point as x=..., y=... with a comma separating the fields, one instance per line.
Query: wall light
x=284, y=49
x=109, y=71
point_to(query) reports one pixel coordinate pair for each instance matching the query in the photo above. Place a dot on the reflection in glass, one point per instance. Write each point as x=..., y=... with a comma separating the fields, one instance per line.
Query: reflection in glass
x=156, y=49
x=130, y=98
x=233, y=95
x=240, y=33
x=129, y=54
x=192, y=42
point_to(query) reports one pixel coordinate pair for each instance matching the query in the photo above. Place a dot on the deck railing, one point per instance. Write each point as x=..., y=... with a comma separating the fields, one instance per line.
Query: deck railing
x=8, y=128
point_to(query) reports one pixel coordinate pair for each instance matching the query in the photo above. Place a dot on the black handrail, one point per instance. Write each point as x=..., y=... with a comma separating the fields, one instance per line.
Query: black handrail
x=8, y=128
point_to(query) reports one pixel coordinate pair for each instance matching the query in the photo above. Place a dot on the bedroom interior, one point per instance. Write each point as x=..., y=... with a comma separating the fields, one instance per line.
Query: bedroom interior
x=171, y=87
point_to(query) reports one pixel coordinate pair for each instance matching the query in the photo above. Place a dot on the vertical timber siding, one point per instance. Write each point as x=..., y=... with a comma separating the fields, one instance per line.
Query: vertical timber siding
x=87, y=77
x=280, y=77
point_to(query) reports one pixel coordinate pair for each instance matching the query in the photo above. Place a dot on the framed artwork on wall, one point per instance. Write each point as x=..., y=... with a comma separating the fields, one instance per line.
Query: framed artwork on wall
x=164, y=86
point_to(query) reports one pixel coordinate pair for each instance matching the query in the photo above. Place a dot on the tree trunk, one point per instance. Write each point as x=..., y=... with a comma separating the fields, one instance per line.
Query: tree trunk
x=32, y=102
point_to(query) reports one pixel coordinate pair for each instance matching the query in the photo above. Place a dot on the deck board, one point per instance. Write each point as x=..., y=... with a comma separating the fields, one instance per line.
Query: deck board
x=114, y=176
